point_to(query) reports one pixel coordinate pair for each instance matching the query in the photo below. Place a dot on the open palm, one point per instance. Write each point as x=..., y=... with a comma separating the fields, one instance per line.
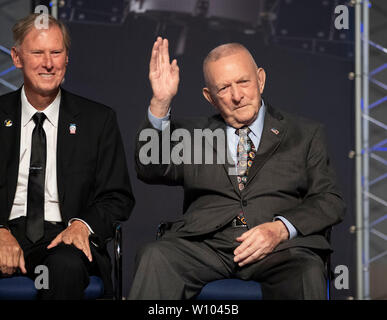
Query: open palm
x=163, y=75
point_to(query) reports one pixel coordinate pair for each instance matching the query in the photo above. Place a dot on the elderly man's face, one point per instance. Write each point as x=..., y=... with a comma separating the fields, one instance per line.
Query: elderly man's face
x=235, y=87
x=42, y=56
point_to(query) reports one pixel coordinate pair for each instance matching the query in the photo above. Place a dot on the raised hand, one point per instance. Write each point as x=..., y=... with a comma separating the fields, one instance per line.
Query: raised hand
x=164, y=78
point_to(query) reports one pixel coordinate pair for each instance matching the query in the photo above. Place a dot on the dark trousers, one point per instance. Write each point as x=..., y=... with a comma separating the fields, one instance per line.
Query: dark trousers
x=177, y=268
x=68, y=267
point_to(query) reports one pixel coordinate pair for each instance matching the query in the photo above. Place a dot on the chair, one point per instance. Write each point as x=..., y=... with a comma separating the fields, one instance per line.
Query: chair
x=231, y=289
x=23, y=288
x=236, y=289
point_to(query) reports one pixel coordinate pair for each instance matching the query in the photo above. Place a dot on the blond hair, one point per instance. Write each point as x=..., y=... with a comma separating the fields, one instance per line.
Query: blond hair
x=24, y=26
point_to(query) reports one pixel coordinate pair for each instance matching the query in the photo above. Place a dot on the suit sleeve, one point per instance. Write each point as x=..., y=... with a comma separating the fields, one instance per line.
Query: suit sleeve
x=153, y=156
x=322, y=205
x=113, y=198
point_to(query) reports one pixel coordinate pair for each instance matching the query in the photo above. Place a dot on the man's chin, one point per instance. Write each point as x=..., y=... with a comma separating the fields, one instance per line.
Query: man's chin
x=46, y=90
x=246, y=118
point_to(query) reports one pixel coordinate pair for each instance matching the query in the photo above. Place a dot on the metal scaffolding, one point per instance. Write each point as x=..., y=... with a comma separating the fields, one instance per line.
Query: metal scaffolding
x=371, y=176
x=10, y=12
x=4, y=82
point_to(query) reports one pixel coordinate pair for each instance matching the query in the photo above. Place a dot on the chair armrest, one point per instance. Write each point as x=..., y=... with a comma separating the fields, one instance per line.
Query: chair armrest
x=118, y=262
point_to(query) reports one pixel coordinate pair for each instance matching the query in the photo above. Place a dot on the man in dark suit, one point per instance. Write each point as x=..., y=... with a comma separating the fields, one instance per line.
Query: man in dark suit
x=63, y=175
x=263, y=215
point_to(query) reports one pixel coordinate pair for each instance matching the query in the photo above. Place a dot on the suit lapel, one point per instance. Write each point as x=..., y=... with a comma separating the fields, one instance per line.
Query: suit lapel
x=11, y=138
x=274, y=129
x=66, y=141
x=218, y=123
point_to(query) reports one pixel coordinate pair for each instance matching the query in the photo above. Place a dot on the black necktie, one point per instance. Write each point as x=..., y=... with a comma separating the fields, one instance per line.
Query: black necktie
x=36, y=178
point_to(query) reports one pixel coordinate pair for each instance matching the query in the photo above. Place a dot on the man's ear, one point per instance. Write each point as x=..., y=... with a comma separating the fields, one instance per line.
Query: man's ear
x=16, y=58
x=207, y=95
x=261, y=79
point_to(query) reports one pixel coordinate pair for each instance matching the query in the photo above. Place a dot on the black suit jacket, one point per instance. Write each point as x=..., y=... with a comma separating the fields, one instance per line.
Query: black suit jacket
x=92, y=175
x=291, y=176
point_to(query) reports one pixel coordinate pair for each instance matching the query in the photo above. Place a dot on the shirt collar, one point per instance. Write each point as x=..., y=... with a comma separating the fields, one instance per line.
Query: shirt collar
x=257, y=126
x=51, y=112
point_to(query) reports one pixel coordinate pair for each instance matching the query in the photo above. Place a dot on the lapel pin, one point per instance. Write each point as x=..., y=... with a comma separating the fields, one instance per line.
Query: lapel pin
x=8, y=123
x=275, y=131
x=73, y=128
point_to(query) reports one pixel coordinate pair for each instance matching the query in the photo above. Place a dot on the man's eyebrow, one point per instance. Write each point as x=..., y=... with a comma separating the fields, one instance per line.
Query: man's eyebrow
x=244, y=77
x=224, y=84
x=221, y=85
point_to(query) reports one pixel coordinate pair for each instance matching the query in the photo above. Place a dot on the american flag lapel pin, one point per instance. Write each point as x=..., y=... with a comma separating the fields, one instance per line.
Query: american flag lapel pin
x=73, y=128
x=275, y=131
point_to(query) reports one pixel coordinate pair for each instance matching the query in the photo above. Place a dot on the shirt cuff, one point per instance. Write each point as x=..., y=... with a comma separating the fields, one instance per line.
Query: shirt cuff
x=159, y=123
x=292, y=230
x=5, y=227
x=74, y=219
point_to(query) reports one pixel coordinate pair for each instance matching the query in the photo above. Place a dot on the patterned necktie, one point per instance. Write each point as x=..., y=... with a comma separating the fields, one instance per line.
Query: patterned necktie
x=36, y=179
x=245, y=155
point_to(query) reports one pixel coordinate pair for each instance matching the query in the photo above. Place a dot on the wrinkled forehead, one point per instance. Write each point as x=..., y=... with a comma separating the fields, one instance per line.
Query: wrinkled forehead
x=44, y=37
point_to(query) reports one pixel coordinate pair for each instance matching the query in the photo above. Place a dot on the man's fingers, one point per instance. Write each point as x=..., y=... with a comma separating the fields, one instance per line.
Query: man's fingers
x=245, y=235
x=165, y=52
x=153, y=60
x=249, y=254
x=84, y=247
x=241, y=247
x=257, y=255
x=8, y=270
x=162, y=52
x=56, y=241
x=88, y=251
x=248, y=247
x=244, y=250
x=22, y=264
x=175, y=67
x=160, y=55
x=11, y=262
x=14, y=258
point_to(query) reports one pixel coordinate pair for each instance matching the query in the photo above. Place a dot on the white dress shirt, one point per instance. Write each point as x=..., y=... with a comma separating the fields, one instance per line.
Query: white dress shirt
x=50, y=126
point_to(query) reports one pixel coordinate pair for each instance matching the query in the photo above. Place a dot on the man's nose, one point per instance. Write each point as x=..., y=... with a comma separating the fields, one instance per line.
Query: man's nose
x=47, y=61
x=236, y=93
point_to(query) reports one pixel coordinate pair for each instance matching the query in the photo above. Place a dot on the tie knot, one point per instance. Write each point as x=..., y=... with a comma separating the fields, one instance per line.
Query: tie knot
x=244, y=131
x=39, y=118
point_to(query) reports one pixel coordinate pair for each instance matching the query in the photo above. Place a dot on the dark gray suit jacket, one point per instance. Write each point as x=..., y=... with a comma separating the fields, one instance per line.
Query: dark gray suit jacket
x=291, y=176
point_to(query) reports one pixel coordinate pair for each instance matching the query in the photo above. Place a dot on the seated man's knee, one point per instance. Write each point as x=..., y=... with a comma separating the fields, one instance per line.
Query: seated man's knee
x=66, y=259
x=309, y=263
x=158, y=254
x=150, y=251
